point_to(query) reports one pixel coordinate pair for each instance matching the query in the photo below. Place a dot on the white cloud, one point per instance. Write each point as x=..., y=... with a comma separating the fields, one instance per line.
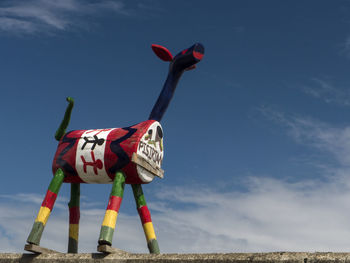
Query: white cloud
x=333, y=141
x=269, y=214
x=17, y=214
x=327, y=92
x=15, y=25
x=33, y=16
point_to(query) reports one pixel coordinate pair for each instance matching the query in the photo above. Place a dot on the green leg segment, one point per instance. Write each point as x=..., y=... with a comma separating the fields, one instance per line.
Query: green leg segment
x=64, y=124
x=46, y=208
x=110, y=219
x=146, y=220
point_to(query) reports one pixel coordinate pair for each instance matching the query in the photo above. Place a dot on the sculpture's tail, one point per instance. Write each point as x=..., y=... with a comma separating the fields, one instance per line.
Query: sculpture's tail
x=185, y=60
x=64, y=124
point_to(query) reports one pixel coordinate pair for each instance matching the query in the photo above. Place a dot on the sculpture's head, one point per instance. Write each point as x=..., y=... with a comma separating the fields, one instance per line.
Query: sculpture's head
x=150, y=149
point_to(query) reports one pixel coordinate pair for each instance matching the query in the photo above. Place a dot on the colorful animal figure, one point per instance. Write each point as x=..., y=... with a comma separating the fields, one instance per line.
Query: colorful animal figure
x=131, y=155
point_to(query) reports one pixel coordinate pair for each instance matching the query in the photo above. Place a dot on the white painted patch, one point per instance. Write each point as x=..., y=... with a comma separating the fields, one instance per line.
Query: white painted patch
x=151, y=149
x=89, y=160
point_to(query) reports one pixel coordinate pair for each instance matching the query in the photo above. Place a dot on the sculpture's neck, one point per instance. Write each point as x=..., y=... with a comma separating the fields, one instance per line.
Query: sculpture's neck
x=184, y=60
x=166, y=95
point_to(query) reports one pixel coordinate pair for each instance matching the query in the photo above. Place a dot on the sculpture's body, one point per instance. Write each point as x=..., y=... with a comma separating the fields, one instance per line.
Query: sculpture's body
x=94, y=156
x=131, y=155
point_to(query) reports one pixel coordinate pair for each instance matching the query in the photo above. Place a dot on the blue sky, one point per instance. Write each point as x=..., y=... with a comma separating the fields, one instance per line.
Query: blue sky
x=257, y=138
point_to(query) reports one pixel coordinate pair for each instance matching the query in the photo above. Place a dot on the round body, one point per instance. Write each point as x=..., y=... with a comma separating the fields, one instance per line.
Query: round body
x=94, y=156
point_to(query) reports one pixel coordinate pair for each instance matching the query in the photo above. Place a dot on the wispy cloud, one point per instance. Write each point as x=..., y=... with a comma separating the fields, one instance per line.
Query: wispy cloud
x=333, y=141
x=272, y=215
x=17, y=214
x=327, y=92
x=31, y=16
x=16, y=25
x=268, y=214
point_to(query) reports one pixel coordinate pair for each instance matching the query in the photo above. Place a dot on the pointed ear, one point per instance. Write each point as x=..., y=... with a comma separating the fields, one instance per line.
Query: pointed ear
x=162, y=52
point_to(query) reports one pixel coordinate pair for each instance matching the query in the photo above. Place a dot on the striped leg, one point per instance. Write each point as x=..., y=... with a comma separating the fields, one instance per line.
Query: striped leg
x=146, y=220
x=45, y=209
x=110, y=219
x=74, y=216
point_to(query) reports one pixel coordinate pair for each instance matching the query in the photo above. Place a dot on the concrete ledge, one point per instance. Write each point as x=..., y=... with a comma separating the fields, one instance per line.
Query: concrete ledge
x=285, y=257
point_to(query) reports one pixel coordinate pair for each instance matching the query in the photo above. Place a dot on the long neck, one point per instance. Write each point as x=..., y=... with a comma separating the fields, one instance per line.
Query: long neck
x=165, y=95
x=184, y=60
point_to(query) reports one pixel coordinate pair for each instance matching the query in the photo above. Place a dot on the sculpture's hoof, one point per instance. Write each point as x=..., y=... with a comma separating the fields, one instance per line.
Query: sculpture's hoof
x=109, y=250
x=38, y=249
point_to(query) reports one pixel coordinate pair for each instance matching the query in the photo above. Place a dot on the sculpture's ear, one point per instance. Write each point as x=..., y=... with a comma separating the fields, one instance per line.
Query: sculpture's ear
x=162, y=52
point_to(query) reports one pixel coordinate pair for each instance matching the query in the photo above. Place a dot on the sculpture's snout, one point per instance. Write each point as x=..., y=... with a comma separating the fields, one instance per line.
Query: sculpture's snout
x=187, y=58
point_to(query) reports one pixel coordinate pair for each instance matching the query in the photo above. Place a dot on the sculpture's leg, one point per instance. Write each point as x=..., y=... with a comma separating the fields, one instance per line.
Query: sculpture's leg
x=46, y=207
x=110, y=219
x=74, y=216
x=146, y=220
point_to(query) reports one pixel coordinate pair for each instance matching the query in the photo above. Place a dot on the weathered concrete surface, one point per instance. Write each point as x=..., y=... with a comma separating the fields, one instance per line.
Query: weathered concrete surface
x=285, y=257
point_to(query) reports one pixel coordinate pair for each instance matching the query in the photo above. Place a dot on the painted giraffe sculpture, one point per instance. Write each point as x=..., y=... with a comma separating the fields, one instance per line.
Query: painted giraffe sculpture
x=118, y=156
